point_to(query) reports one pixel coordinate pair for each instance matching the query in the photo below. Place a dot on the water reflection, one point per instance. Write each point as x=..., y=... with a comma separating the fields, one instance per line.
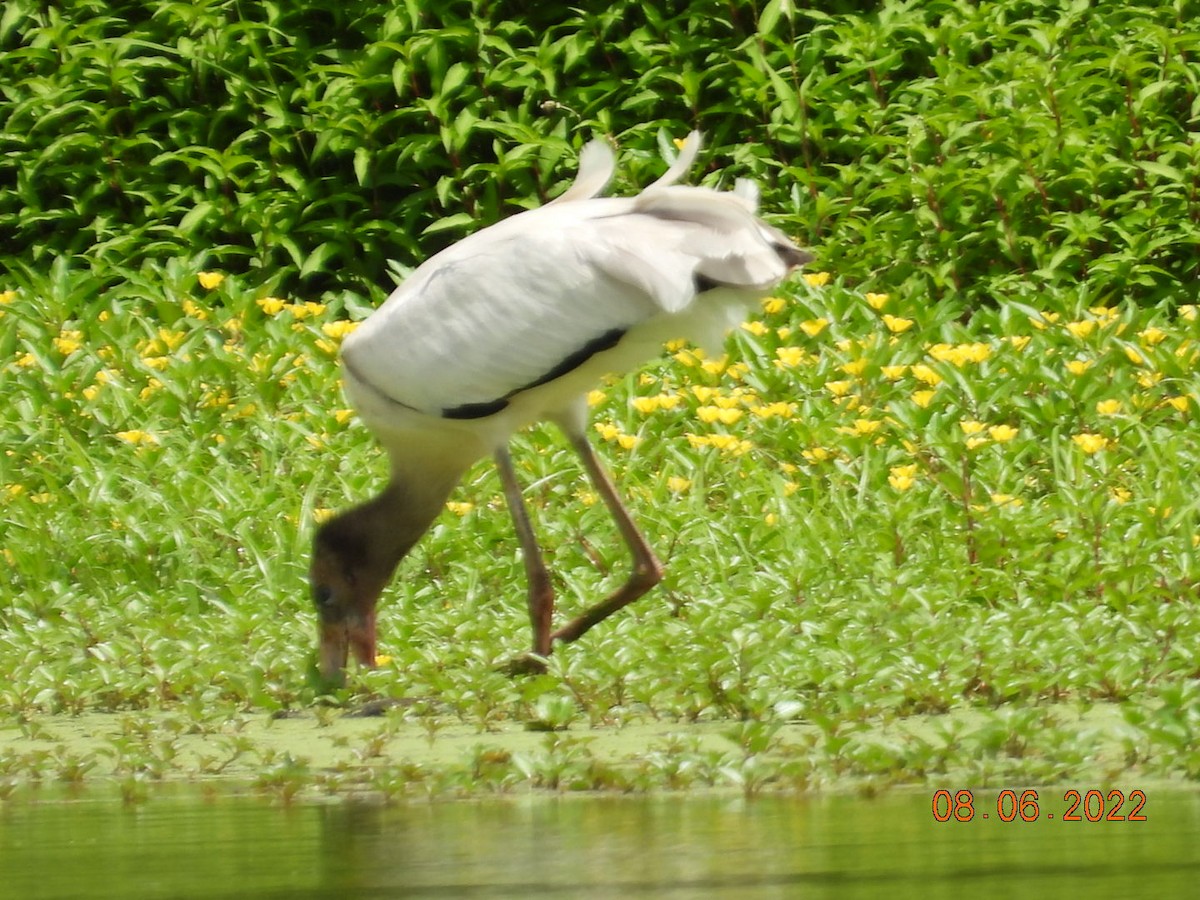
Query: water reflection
x=181, y=845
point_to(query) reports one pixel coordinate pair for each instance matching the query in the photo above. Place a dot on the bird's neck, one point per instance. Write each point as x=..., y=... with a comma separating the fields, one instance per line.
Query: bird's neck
x=397, y=518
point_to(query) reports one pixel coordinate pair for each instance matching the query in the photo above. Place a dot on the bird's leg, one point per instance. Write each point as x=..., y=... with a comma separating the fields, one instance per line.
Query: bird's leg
x=647, y=570
x=541, y=592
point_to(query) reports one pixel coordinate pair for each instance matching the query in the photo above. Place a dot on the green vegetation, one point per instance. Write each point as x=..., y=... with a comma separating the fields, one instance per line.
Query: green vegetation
x=903, y=543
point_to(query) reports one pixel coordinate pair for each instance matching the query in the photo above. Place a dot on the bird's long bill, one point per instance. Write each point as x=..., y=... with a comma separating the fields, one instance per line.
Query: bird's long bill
x=338, y=639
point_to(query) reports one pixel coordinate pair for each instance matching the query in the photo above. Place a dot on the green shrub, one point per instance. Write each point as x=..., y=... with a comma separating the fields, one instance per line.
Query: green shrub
x=943, y=148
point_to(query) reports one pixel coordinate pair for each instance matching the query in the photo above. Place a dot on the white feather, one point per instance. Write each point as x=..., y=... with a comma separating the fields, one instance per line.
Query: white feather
x=495, y=331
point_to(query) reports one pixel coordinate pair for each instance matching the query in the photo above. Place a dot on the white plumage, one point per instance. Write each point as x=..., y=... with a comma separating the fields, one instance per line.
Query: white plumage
x=512, y=325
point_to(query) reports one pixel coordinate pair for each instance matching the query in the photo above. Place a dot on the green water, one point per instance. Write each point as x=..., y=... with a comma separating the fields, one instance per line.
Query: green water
x=180, y=845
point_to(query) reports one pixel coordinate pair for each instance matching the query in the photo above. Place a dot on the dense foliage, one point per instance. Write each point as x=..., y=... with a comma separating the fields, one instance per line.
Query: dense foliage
x=940, y=148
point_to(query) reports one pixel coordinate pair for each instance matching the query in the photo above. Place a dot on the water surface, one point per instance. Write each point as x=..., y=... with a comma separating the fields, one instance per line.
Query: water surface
x=181, y=845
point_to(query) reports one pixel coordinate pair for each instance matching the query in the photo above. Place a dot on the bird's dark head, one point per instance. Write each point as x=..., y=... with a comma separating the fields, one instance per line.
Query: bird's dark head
x=346, y=580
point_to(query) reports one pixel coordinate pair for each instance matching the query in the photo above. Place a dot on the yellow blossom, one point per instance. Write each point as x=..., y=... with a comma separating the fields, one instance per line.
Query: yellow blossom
x=210, y=280
x=817, y=279
x=1002, y=433
x=778, y=409
x=306, y=309
x=773, y=305
x=677, y=484
x=854, y=367
x=1019, y=341
x=1078, y=366
x=970, y=426
x=924, y=373
x=1007, y=500
x=342, y=416
x=1134, y=356
x=339, y=329
x=1179, y=403
x=322, y=515
x=1108, y=407
x=755, y=327
x=715, y=366
x=1149, y=379
x=1187, y=312
x=607, y=430
x=876, y=301
x=923, y=398
x=788, y=357
x=813, y=327
x=814, y=455
x=839, y=388
x=893, y=373
x=137, y=437
x=689, y=356
x=7, y=297
x=1152, y=336
x=595, y=397
x=961, y=354
x=382, y=659
x=459, y=507
x=271, y=305
x=902, y=477
x=628, y=441
x=1120, y=494
x=1082, y=328
x=974, y=442
x=866, y=426
x=729, y=443
x=68, y=341
x=195, y=310
x=644, y=405
x=1091, y=443
x=718, y=414
x=771, y=518
x=896, y=324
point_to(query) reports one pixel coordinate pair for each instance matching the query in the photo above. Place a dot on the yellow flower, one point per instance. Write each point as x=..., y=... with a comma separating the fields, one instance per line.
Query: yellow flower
x=7, y=297
x=382, y=659
x=1180, y=403
x=68, y=342
x=715, y=366
x=595, y=397
x=854, y=367
x=1120, y=494
x=342, y=416
x=817, y=279
x=815, y=455
x=1090, y=443
x=710, y=414
x=339, y=329
x=923, y=398
x=644, y=405
x=866, y=426
x=729, y=444
x=893, y=373
x=1082, y=328
x=459, y=508
x=1007, y=500
x=271, y=305
x=813, y=327
x=788, y=357
x=137, y=437
x=210, y=280
x=195, y=310
x=1152, y=336
x=773, y=305
x=900, y=482
x=839, y=388
x=677, y=484
x=628, y=441
x=1001, y=433
x=779, y=408
x=1078, y=366
x=322, y=515
x=876, y=301
x=1134, y=357
x=1019, y=341
x=306, y=309
x=678, y=142
x=924, y=373
x=607, y=430
x=897, y=325
x=756, y=328
x=1149, y=379
x=1187, y=312
x=960, y=354
x=1108, y=407
x=689, y=356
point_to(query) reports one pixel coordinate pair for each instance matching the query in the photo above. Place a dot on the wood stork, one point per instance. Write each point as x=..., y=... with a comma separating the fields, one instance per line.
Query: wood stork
x=514, y=325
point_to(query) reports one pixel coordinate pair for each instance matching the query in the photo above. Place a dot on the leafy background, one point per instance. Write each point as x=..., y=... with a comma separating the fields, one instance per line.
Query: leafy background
x=936, y=512
x=964, y=150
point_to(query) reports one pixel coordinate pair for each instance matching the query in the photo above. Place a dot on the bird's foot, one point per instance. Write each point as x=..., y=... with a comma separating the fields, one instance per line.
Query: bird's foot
x=525, y=664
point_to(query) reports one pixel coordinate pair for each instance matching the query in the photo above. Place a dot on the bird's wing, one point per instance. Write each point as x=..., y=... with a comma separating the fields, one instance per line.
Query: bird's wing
x=528, y=300
x=596, y=167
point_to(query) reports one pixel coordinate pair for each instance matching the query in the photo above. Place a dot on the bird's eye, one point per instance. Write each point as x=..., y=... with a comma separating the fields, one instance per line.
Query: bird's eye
x=322, y=595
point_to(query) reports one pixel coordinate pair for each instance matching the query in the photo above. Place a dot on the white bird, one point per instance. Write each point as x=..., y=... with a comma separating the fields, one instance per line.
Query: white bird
x=514, y=325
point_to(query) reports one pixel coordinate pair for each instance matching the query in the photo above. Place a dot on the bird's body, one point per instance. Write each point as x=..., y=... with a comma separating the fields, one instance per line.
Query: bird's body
x=514, y=325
